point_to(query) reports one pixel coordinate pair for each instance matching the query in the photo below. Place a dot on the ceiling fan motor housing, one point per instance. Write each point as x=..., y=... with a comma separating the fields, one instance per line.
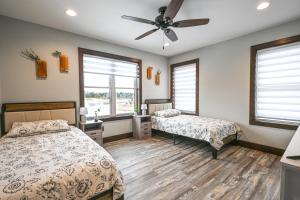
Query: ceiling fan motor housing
x=162, y=22
x=162, y=10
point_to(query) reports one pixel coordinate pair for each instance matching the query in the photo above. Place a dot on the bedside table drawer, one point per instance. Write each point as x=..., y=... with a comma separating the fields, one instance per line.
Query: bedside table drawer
x=146, y=128
x=93, y=132
x=146, y=125
x=147, y=131
x=97, y=138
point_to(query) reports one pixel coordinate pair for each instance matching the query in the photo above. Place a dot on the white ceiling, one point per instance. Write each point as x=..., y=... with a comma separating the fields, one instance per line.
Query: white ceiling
x=101, y=19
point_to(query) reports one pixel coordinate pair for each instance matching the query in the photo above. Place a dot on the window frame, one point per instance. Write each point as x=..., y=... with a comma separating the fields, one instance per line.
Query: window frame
x=181, y=64
x=81, y=52
x=253, y=55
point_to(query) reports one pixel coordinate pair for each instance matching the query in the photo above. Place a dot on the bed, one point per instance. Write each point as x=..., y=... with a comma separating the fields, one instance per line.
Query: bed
x=216, y=132
x=57, y=165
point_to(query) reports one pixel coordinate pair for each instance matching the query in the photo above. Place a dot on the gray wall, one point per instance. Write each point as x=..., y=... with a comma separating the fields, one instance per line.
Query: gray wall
x=19, y=83
x=0, y=94
x=224, y=73
x=0, y=88
x=224, y=82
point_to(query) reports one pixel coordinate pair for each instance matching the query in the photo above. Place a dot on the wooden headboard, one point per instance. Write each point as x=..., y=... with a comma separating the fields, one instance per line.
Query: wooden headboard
x=25, y=112
x=157, y=105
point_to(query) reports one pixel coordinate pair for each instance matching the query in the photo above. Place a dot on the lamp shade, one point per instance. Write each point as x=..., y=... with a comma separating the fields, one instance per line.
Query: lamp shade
x=143, y=106
x=83, y=111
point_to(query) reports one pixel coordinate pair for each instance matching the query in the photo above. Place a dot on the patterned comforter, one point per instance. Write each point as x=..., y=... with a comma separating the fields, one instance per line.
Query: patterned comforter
x=65, y=165
x=203, y=128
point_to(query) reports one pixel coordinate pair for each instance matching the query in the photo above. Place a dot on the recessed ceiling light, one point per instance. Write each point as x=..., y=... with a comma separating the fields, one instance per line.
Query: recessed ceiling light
x=166, y=44
x=263, y=5
x=71, y=13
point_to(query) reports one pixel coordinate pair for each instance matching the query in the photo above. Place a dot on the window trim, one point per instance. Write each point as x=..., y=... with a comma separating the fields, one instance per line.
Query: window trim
x=253, y=54
x=173, y=66
x=82, y=51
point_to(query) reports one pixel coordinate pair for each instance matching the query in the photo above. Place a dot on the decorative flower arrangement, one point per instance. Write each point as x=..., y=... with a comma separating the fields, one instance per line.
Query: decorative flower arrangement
x=157, y=77
x=41, y=65
x=96, y=114
x=30, y=54
x=136, y=110
x=63, y=61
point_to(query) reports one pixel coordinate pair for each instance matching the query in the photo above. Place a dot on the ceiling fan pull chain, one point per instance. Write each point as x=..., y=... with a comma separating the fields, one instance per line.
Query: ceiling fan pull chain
x=163, y=46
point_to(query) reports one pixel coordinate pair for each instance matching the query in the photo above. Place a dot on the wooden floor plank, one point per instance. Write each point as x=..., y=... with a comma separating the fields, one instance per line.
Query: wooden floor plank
x=156, y=169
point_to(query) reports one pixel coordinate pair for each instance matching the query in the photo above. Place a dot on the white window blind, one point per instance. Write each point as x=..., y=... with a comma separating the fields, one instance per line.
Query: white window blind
x=184, y=84
x=110, y=84
x=278, y=84
x=96, y=64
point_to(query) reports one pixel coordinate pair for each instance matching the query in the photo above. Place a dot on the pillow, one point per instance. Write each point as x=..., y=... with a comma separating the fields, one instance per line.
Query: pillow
x=20, y=129
x=167, y=113
x=52, y=126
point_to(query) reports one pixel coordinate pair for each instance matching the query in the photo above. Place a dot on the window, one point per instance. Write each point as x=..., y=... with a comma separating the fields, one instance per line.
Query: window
x=275, y=84
x=109, y=82
x=185, y=86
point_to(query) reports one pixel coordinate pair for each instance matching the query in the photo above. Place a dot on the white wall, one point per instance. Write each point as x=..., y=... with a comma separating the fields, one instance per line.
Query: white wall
x=225, y=80
x=19, y=83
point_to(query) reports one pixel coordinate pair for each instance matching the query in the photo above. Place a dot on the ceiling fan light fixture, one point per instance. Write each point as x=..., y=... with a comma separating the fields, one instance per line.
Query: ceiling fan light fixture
x=71, y=13
x=263, y=5
x=166, y=44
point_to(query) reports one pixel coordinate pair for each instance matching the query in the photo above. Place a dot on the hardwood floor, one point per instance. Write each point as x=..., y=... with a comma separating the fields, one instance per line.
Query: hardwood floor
x=156, y=169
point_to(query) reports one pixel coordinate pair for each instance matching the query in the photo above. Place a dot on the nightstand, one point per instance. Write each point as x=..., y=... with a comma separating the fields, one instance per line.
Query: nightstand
x=141, y=126
x=93, y=129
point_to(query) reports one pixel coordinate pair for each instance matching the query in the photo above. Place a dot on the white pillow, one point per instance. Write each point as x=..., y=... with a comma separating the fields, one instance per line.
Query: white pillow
x=167, y=113
x=20, y=129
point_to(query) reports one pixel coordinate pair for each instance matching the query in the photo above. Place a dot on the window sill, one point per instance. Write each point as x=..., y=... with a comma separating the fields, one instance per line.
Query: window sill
x=188, y=113
x=108, y=119
x=272, y=124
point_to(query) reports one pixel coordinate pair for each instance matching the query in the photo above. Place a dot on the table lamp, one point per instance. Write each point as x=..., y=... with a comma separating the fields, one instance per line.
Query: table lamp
x=143, y=108
x=83, y=112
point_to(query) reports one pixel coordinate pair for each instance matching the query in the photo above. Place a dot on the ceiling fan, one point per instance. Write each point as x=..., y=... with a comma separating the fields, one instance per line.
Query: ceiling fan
x=165, y=20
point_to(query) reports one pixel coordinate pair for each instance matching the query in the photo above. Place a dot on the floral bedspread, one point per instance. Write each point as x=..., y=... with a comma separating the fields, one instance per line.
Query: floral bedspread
x=197, y=127
x=65, y=165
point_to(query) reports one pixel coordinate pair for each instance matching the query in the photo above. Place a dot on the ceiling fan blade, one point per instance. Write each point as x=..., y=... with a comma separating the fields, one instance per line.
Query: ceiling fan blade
x=190, y=22
x=137, y=19
x=146, y=34
x=173, y=9
x=171, y=34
